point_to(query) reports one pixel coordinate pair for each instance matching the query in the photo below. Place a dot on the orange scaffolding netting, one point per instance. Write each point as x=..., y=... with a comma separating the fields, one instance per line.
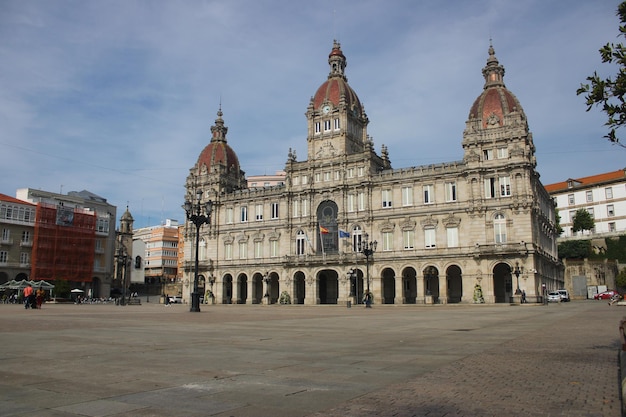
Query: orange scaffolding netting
x=64, y=243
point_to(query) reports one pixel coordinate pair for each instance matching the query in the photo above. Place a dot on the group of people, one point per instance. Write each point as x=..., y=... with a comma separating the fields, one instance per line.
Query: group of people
x=33, y=299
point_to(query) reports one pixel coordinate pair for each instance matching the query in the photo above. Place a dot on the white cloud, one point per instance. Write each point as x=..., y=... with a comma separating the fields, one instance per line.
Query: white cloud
x=118, y=97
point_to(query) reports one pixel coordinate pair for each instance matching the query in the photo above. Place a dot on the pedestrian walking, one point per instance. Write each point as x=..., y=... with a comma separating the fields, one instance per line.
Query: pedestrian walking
x=29, y=297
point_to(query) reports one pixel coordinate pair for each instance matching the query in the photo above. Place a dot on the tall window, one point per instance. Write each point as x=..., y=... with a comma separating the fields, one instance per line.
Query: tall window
x=305, y=207
x=407, y=196
x=274, y=214
x=351, y=203
x=386, y=198
x=230, y=218
x=387, y=241
x=357, y=238
x=408, y=238
x=591, y=213
x=24, y=258
x=503, y=153
x=361, y=201
x=429, y=237
x=429, y=195
x=4, y=256
x=450, y=191
x=300, y=243
x=258, y=211
x=487, y=155
x=337, y=125
x=26, y=236
x=258, y=249
x=243, y=250
x=296, y=208
x=570, y=199
x=244, y=214
x=273, y=248
x=589, y=196
x=608, y=192
x=228, y=251
x=318, y=127
x=453, y=237
x=326, y=125
x=610, y=210
x=490, y=187
x=505, y=186
x=6, y=234
x=499, y=227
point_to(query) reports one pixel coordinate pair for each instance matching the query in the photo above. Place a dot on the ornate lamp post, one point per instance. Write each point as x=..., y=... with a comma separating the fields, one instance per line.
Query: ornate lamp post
x=517, y=273
x=122, y=268
x=353, y=282
x=368, y=248
x=198, y=214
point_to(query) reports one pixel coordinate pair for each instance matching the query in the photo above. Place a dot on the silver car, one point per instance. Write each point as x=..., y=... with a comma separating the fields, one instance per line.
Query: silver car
x=554, y=297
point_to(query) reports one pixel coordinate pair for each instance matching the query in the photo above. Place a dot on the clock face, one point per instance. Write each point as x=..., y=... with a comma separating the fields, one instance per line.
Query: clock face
x=326, y=109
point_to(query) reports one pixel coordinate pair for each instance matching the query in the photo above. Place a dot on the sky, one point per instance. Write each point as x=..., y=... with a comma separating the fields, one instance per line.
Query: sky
x=118, y=97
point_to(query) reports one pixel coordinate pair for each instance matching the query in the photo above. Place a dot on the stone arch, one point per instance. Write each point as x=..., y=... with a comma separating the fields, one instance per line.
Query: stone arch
x=454, y=284
x=502, y=283
x=409, y=285
x=431, y=282
x=388, y=278
x=257, y=288
x=299, y=287
x=242, y=289
x=328, y=286
x=227, y=289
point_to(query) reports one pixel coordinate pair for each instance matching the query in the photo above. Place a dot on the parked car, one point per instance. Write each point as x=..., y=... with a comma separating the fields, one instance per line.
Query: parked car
x=564, y=295
x=554, y=297
x=606, y=295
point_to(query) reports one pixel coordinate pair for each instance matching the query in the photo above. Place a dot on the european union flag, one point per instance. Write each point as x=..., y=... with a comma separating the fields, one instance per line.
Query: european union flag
x=343, y=234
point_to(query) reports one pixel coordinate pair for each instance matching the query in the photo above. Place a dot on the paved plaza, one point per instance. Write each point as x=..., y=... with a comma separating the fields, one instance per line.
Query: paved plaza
x=254, y=360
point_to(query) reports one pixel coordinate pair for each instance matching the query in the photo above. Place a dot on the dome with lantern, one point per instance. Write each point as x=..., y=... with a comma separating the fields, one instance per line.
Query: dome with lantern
x=335, y=91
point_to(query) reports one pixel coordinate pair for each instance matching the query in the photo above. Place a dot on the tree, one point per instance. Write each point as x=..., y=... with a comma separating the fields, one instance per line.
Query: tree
x=620, y=280
x=583, y=221
x=610, y=92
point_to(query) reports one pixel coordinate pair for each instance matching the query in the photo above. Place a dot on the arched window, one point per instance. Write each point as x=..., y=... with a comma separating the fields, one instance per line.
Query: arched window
x=202, y=250
x=499, y=228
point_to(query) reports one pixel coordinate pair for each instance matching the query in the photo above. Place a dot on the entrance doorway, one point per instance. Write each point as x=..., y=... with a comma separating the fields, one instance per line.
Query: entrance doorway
x=328, y=287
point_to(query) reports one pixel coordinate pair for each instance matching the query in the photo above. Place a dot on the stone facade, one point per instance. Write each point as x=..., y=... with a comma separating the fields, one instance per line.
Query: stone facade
x=470, y=231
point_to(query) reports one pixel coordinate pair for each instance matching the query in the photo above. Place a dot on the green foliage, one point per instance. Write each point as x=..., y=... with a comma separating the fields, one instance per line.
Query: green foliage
x=61, y=288
x=620, y=280
x=609, y=92
x=575, y=249
x=616, y=249
x=583, y=220
x=559, y=229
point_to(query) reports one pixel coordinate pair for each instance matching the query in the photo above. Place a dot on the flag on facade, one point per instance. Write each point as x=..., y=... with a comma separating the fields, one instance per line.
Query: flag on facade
x=323, y=230
x=343, y=234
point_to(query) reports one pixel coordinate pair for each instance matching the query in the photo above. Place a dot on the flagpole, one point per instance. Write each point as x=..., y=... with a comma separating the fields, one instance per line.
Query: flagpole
x=319, y=231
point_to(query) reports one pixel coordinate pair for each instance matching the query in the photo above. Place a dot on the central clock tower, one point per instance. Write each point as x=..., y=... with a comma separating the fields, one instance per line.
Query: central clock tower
x=337, y=123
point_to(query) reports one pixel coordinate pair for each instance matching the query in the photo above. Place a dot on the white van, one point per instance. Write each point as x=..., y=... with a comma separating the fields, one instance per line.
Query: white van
x=564, y=295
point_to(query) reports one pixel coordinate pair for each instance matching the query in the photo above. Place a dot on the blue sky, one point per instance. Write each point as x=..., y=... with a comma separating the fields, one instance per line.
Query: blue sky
x=117, y=97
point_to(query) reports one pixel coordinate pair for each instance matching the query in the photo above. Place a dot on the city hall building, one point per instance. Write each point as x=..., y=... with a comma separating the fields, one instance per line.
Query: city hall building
x=480, y=230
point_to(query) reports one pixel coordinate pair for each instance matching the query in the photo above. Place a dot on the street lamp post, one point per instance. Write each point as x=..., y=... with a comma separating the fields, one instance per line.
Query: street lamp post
x=198, y=214
x=353, y=282
x=122, y=266
x=368, y=248
x=517, y=273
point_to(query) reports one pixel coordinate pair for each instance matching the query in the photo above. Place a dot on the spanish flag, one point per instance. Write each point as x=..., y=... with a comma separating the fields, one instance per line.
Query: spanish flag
x=323, y=230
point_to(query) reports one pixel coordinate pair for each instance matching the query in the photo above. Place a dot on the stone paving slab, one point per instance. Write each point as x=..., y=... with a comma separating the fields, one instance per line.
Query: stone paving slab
x=239, y=360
